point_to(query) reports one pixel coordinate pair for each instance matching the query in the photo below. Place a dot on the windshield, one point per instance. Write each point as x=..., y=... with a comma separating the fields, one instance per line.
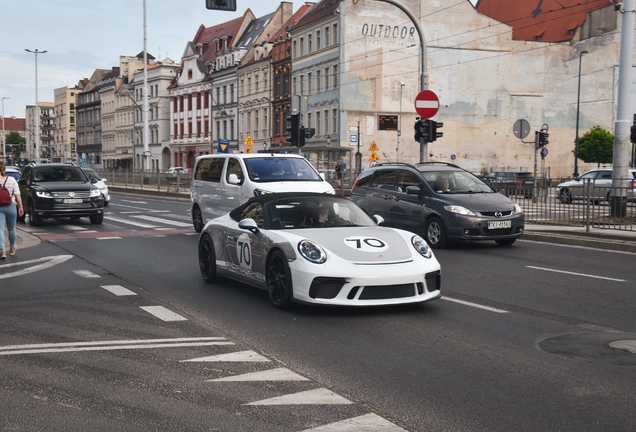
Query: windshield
x=455, y=182
x=51, y=174
x=272, y=169
x=315, y=212
x=92, y=175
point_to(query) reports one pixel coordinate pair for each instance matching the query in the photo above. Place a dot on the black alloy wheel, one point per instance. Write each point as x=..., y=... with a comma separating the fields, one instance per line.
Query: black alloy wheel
x=207, y=259
x=565, y=197
x=278, y=279
x=97, y=219
x=197, y=219
x=34, y=219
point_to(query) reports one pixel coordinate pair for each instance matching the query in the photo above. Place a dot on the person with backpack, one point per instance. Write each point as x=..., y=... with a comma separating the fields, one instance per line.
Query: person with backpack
x=9, y=197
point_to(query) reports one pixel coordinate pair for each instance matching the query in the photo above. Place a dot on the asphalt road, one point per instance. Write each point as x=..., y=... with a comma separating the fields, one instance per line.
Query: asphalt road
x=520, y=340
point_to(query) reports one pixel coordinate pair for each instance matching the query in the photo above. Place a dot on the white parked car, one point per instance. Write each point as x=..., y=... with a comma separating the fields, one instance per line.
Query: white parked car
x=280, y=243
x=99, y=182
x=595, y=185
x=221, y=182
x=176, y=170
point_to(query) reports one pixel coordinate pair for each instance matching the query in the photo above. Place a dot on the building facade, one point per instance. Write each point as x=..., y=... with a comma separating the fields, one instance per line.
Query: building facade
x=64, y=144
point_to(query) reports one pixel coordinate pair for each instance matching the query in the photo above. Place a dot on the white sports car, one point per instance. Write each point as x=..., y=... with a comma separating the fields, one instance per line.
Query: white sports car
x=318, y=248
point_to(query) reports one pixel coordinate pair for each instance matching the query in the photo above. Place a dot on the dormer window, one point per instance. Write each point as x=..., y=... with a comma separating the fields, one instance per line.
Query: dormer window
x=189, y=74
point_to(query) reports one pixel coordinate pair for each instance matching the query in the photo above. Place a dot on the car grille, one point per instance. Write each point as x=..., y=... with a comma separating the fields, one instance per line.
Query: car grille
x=498, y=232
x=68, y=194
x=86, y=205
x=492, y=213
x=387, y=291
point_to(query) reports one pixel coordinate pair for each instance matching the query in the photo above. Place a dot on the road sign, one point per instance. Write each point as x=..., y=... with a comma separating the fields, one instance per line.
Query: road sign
x=521, y=128
x=426, y=104
x=544, y=151
x=453, y=157
x=353, y=138
x=223, y=146
x=544, y=128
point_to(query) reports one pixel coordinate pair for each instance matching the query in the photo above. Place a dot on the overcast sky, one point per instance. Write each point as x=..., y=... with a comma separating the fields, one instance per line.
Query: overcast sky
x=83, y=35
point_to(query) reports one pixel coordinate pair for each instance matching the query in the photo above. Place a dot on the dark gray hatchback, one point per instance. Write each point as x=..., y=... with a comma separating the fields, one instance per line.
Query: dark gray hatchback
x=444, y=201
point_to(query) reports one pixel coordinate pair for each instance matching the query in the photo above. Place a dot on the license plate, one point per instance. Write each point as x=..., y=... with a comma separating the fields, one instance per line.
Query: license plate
x=72, y=200
x=499, y=224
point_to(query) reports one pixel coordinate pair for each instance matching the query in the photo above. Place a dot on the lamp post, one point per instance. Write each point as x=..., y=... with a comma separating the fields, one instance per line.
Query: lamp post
x=37, y=111
x=4, y=139
x=399, y=125
x=578, y=103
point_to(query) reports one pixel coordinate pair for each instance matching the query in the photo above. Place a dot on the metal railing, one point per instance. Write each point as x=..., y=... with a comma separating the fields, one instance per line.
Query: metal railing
x=149, y=180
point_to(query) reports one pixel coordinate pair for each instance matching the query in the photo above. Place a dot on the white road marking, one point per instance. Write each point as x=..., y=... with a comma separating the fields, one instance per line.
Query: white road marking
x=47, y=262
x=576, y=274
x=241, y=356
x=112, y=345
x=624, y=345
x=163, y=314
x=364, y=423
x=278, y=374
x=130, y=222
x=475, y=305
x=132, y=202
x=108, y=238
x=578, y=247
x=320, y=396
x=118, y=290
x=192, y=233
x=86, y=274
x=162, y=220
x=73, y=227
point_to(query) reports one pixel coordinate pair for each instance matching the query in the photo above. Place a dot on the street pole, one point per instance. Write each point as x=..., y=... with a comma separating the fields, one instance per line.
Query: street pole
x=623, y=122
x=358, y=154
x=578, y=104
x=399, y=125
x=146, y=158
x=4, y=138
x=37, y=110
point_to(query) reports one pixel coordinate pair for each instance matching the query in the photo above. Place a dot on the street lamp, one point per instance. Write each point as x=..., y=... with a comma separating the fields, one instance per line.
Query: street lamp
x=578, y=103
x=328, y=139
x=4, y=139
x=399, y=125
x=37, y=113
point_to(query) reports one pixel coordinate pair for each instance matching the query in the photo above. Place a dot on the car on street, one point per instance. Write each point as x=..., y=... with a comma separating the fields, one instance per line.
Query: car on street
x=222, y=181
x=175, y=170
x=511, y=183
x=13, y=171
x=320, y=249
x=443, y=201
x=59, y=190
x=595, y=185
x=100, y=182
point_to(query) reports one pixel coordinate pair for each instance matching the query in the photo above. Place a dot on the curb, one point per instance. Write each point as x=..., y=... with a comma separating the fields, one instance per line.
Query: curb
x=596, y=241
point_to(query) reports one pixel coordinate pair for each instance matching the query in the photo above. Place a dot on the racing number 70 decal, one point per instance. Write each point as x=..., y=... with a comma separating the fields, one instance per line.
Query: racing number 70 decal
x=366, y=244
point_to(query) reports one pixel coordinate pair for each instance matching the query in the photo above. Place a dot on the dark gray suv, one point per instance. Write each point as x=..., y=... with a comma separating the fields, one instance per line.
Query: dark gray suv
x=444, y=201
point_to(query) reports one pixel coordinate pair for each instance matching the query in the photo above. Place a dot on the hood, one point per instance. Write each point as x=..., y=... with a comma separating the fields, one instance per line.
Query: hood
x=62, y=186
x=480, y=202
x=288, y=186
x=361, y=245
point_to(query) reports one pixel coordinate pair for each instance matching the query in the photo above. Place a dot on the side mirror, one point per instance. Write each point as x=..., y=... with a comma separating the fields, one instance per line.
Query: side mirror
x=322, y=176
x=104, y=180
x=233, y=179
x=413, y=190
x=248, y=224
x=378, y=219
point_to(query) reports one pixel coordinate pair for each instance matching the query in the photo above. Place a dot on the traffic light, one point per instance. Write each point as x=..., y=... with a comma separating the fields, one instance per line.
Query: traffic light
x=226, y=5
x=422, y=130
x=293, y=129
x=433, y=127
x=304, y=134
x=543, y=139
x=418, y=134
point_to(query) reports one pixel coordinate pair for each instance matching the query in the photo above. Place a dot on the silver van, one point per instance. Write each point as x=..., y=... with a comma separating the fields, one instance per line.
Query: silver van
x=221, y=182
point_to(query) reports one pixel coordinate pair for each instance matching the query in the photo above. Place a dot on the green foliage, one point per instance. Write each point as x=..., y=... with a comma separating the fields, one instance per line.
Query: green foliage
x=14, y=137
x=596, y=146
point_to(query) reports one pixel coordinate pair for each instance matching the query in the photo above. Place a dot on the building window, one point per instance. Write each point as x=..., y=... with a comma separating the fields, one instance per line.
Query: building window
x=231, y=93
x=326, y=79
x=301, y=44
x=302, y=87
x=318, y=83
x=334, y=121
x=326, y=122
x=317, y=40
x=327, y=36
x=335, y=33
x=310, y=47
x=334, y=79
x=309, y=84
x=318, y=124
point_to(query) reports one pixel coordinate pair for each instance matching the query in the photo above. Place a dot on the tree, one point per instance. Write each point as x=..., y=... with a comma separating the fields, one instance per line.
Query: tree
x=13, y=140
x=596, y=146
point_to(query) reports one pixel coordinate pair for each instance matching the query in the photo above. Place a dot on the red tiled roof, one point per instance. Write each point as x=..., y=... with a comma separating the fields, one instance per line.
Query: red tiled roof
x=325, y=7
x=282, y=32
x=544, y=20
x=14, y=124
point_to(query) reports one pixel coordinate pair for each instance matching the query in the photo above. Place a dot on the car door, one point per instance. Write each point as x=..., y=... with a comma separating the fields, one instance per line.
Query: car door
x=407, y=209
x=206, y=187
x=381, y=194
x=234, y=192
x=601, y=185
x=579, y=189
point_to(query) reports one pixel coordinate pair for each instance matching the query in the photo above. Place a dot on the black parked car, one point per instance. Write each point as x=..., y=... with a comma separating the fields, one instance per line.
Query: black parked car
x=59, y=190
x=444, y=201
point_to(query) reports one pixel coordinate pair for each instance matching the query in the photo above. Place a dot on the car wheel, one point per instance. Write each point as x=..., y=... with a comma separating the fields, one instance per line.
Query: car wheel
x=506, y=242
x=436, y=233
x=96, y=220
x=207, y=259
x=278, y=279
x=105, y=202
x=565, y=197
x=197, y=219
x=34, y=219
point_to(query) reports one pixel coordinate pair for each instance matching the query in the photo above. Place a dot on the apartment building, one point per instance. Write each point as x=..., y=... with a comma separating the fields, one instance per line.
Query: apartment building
x=64, y=143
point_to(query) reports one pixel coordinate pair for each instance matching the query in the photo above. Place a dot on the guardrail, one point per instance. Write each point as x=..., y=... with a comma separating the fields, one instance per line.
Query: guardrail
x=150, y=180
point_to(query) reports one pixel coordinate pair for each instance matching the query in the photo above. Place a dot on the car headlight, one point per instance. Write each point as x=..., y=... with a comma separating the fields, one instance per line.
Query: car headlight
x=459, y=210
x=421, y=246
x=95, y=193
x=518, y=209
x=259, y=192
x=312, y=252
x=43, y=194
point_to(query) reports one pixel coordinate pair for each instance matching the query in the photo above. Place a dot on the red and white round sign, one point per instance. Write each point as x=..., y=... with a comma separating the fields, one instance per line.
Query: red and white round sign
x=426, y=104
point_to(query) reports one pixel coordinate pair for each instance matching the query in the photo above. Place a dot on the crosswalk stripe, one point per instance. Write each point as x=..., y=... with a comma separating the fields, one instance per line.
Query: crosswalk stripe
x=86, y=274
x=161, y=220
x=130, y=222
x=163, y=314
x=278, y=374
x=118, y=290
x=241, y=356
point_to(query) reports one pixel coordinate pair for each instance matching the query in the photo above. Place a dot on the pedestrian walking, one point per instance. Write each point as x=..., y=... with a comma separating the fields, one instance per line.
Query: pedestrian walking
x=9, y=197
x=341, y=167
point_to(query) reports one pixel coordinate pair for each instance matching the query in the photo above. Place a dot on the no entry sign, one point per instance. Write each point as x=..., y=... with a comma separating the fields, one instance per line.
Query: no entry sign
x=426, y=104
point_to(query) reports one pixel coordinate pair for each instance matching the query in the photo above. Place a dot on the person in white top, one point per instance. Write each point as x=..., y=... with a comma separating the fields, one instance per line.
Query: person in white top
x=8, y=212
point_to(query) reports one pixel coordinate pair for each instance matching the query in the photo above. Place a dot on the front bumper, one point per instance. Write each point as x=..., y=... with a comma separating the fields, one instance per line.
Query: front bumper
x=47, y=208
x=475, y=228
